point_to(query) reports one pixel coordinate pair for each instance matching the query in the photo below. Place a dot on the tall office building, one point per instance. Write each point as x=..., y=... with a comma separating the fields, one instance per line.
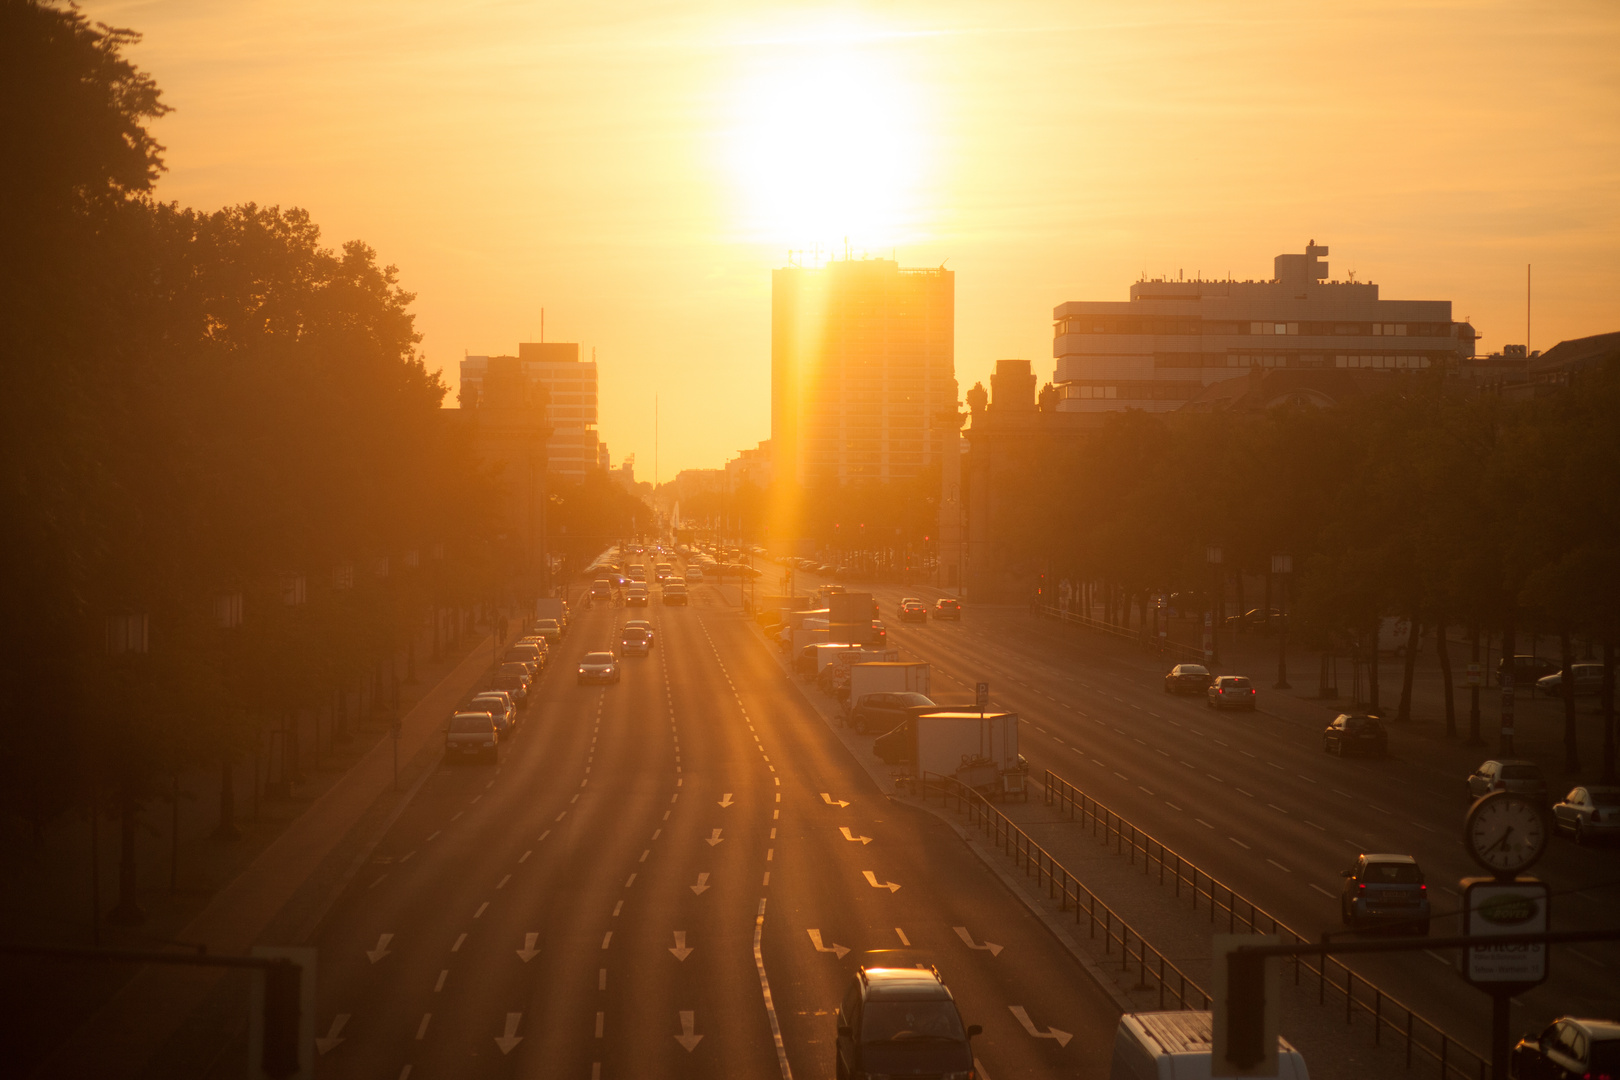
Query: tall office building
x=570, y=386
x=863, y=370
x=1160, y=349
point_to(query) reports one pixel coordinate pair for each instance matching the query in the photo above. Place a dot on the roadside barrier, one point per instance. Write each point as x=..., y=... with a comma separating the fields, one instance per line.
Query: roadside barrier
x=1361, y=996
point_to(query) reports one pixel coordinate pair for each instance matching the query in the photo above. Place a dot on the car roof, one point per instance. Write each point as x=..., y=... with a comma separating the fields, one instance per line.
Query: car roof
x=1388, y=858
x=903, y=984
x=591, y=654
x=472, y=712
x=1600, y=1029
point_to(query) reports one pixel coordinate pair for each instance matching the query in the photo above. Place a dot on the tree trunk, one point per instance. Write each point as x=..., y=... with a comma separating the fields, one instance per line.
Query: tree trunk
x=1474, y=738
x=1403, y=712
x=1372, y=672
x=1442, y=648
x=227, y=800
x=1566, y=685
x=127, y=912
x=1509, y=685
x=1609, y=775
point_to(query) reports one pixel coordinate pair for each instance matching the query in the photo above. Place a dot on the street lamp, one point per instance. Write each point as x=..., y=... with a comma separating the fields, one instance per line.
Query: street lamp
x=1281, y=567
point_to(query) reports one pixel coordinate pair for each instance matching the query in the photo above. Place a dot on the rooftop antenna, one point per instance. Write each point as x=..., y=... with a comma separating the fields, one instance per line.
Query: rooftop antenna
x=1527, y=309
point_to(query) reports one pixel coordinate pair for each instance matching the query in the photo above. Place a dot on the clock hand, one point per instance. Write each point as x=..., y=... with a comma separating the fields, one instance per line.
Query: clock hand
x=1502, y=841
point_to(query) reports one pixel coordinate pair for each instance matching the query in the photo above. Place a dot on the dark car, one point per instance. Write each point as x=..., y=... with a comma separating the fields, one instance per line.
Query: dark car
x=1589, y=813
x=913, y=610
x=1526, y=669
x=879, y=635
x=901, y=1021
x=1352, y=733
x=516, y=686
x=635, y=641
x=882, y=712
x=675, y=593
x=1386, y=890
x=1187, y=679
x=1509, y=774
x=1231, y=692
x=948, y=608
x=1570, y=1048
x=1254, y=619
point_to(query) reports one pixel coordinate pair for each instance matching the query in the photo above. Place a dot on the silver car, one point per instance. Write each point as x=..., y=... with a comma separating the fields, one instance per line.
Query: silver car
x=598, y=667
x=1509, y=774
x=1588, y=680
x=499, y=705
x=1589, y=813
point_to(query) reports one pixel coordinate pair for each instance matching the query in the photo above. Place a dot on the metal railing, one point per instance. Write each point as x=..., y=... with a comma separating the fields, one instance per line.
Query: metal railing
x=1163, y=647
x=1419, y=1034
x=1175, y=987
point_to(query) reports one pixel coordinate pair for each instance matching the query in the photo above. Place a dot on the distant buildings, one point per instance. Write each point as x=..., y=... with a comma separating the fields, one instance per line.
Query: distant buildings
x=863, y=371
x=1159, y=350
x=569, y=386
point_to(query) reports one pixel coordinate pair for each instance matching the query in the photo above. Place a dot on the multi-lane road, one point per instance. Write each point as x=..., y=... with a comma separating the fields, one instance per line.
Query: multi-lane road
x=674, y=875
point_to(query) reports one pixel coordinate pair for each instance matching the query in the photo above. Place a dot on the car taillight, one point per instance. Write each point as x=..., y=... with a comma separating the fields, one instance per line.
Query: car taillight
x=1423, y=888
x=1361, y=888
x=1252, y=690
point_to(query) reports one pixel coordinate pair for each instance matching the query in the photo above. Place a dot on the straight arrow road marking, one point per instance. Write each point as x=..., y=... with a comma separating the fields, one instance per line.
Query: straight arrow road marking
x=871, y=879
x=967, y=939
x=702, y=884
x=688, y=1024
x=680, y=950
x=828, y=799
x=849, y=836
x=714, y=838
x=334, y=1036
x=509, y=1041
x=815, y=939
x=1022, y=1016
x=725, y=800
x=529, y=952
x=382, y=947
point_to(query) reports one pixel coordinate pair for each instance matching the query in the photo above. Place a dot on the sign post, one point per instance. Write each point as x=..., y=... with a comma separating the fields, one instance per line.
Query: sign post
x=981, y=697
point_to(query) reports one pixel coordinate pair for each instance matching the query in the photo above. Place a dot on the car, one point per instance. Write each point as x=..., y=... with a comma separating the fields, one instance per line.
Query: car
x=947, y=607
x=634, y=641
x=499, y=706
x=900, y=1021
x=913, y=610
x=636, y=596
x=1588, y=680
x=515, y=686
x=1355, y=733
x=1570, y=1048
x=643, y=624
x=471, y=735
x=601, y=589
x=1253, y=619
x=1527, y=669
x=518, y=667
x=675, y=595
x=879, y=635
x=881, y=712
x=598, y=667
x=1588, y=813
x=1231, y=692
x=1509, y=774
x=694, y=573
x=1187, y=679
x=1385, y=890
x=529, y=652
x=549, y=629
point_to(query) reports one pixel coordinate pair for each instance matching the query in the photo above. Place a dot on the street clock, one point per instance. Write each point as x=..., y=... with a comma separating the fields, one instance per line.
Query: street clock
x=1506, y=833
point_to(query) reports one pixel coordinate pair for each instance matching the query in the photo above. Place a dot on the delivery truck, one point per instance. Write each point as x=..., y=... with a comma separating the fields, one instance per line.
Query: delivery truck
x=552, y=607
x=978, y=749
x=881, y=678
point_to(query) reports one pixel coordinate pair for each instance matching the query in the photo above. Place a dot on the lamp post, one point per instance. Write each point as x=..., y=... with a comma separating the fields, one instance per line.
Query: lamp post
x=1212, y=640
x=1282, y=566
x=227, y=616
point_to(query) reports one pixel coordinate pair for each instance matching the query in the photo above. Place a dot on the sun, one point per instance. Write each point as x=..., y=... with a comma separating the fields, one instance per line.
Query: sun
x=829, y=141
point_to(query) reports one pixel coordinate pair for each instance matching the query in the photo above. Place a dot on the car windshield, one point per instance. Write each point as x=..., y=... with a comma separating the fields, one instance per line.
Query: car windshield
x=472, y=722
x=914, y=699
x=493, y=705
x=1192, y=669
x=1240, y=684
x=635, y=633
x=1520, y=772
x=508, y=681
x=513, y=669
x=546, y=624
x=1605, y=798
x=598, y=658
x=905, y=1021
x=1360, y=723
x=1384, y=873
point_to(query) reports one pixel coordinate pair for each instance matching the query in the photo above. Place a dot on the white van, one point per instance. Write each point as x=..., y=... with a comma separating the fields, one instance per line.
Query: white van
x=1177, y=1046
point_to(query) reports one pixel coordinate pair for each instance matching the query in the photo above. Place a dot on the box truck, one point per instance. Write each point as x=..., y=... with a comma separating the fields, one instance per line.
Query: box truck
x=979, y=749
x=878, y=678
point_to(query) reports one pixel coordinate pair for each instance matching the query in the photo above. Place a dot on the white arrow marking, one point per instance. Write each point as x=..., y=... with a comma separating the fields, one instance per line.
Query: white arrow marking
x=828, y=799
x=725, y=800
x=967, y=939
x=680, y=950
x=528, y=952
x=871, y=879
x=382, y=947
x=1022, y=1016
x=815, y=939
x=850, y=836
x=333, y=1036
x=686, y=1038
x=714, y=838
x=702, y=883
x=510, y=1040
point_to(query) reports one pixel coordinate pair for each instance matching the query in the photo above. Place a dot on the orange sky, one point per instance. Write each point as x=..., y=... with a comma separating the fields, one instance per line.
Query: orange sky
x=637, y=169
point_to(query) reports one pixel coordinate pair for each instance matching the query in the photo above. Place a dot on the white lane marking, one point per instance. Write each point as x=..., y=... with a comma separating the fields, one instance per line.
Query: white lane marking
x=1343, y=794
x=421, y=1029
x=714, y=838
x=1434, y=955
x=457, y=814
x=333, y=1036
x=836, y=949
x=871, y=879
x=444, y=974
x=503, y=881
x=436, y=832
x=607, y=938
x=562, y=815
x=901, y=934
x=544, y=835
x=601, y=1022
x=765, y=990
x=457, y=946
x=509, y=1041
x=629, y=881
x=644, y=855
x=526, y=855
x=830, y=801
x=1321, y=890
x=1279, y=866
x=1590, y=959
x=1022, y=1016
x=1245, y=753
x=849, y=836
x=680, y=950
x=1277, y=808
x=529, y=952
x=1173, y=806
x=1139, y=787
x=601, y=978
x=1215, y=778
x=381, y=950
x=1204, y=823
x=1314, y=825
x=1240, y=843
x=967, y=939
x=1240, y=791
x=481, y=909
x=702, y=884
x=725, y=800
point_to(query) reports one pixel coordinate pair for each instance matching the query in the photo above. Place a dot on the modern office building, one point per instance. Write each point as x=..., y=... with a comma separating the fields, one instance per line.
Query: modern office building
x=569, y=384
x=1160, y=349
x=863, y=372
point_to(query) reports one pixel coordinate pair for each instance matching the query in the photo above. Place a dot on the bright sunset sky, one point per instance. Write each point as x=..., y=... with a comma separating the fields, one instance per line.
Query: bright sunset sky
x=637, y=169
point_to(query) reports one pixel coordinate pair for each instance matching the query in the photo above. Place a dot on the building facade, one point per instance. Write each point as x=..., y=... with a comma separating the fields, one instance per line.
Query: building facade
x=1171, y=339
x=863, y=371
x=570, y=390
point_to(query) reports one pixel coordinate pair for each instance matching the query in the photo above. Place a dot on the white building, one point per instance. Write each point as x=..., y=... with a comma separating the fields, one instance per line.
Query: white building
x=570, y=386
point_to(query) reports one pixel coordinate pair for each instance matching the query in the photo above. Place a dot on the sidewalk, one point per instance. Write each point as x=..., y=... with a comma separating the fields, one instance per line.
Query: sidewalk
x=269, y=902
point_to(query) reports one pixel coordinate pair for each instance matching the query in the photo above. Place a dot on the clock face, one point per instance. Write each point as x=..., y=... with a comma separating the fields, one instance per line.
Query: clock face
x=1505, y=833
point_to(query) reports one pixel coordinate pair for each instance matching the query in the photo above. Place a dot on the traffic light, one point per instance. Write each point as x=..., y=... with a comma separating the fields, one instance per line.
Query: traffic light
x=1245, y=1009
x=1246, y=994
x=283, y=991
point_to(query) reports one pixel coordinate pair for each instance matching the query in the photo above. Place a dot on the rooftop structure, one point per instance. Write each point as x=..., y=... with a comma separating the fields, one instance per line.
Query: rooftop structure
x=569, y=386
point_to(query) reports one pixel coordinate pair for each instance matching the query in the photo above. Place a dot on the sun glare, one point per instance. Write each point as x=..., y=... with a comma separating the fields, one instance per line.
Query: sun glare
x=828, y=142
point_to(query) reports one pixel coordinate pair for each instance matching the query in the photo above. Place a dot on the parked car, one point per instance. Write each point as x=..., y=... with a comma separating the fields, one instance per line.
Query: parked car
x=882, y=712
x=1588, y=680
x=947, y=607
x=550, y=629
x=1509, y=774
x=516, y=686
x=1589, y=813
x=1254, y=619
x=1231, y=692
x=634, y=641
x=1385, y=890
x=471, y=735
x=1353, y=733
x=1527, y=670
x=1187, y=679
x=913, y=610
x=901, y=1021
x=643, y=624
x=694, y=573
x=598, y=667
x=504, y=716
x=524, y=668
x=1570, y=1048
x=530, y=652
x=675, y=595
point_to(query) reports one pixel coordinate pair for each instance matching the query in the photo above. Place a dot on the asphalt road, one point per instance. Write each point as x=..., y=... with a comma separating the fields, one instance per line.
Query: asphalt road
x=1254, y=800
x=674, y=875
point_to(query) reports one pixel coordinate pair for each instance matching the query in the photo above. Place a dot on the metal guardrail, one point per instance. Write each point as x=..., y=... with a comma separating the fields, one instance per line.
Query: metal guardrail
x=1037, y=862
x=1419, y=1034
x=1164, y=648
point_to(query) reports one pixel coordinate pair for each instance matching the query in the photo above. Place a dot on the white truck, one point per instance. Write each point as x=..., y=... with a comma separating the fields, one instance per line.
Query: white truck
x=879, y=678
x=979, y=749
x=551, y=607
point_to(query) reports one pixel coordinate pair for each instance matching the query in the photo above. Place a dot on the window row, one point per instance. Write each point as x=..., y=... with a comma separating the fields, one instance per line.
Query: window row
x=1381, y=361
x=1165, y=325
